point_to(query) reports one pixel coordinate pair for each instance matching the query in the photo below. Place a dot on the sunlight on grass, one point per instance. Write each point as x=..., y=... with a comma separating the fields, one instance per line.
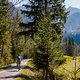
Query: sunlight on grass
x=67, y=70
x=28, y=72
x=30, y=64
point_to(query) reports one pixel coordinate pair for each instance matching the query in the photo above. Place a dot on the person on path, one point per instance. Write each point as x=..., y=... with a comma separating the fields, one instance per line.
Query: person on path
x=18, y=62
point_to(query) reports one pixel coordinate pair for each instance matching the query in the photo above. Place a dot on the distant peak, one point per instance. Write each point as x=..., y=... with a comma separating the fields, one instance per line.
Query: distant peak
x=72, y=8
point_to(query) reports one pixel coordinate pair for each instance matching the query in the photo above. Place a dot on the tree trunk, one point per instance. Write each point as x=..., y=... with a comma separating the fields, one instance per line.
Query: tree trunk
x=46, y=77
x=46, y=3
x=52, y=76
x=13, y=50
x=43, y=74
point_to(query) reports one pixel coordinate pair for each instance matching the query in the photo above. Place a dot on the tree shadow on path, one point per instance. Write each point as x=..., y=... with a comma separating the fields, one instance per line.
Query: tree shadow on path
x=23, y=76
x=13, y=67
x=7, y=77
x=11, y=70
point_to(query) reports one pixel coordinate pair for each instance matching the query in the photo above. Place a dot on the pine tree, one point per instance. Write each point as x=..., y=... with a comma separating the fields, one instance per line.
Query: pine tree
x=15, y=29
x=71, y=47
x=64, y=46
x=47, y=17
x=43, y=49
x=5, y=25
x=36, y=9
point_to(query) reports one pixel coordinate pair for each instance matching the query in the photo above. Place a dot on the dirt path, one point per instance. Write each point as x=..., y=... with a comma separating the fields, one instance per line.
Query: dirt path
x=12, y=71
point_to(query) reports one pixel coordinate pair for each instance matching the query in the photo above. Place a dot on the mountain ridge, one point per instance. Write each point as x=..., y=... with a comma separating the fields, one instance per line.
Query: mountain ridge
x=73, y=20
x=73, y=10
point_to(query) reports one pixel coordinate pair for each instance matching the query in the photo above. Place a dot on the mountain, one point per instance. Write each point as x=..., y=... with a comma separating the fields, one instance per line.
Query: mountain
x=72, y=26
x=73, y=10
x=73, y=20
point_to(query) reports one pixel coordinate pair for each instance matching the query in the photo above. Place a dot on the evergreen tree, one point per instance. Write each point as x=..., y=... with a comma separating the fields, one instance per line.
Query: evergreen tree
x=71, y=47
x=64, y=46
x=46, y=50
x=36, y=9
x=47, y=17
x=43, y=49
x=15, y=29
x=68, y=46
x=5, y=24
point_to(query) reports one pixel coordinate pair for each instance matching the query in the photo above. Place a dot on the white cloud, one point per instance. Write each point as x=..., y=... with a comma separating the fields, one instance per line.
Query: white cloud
x=72, y=3
x=18, y=2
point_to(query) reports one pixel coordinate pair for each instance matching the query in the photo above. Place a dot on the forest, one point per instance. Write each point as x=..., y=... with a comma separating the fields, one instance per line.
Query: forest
x=40, y=39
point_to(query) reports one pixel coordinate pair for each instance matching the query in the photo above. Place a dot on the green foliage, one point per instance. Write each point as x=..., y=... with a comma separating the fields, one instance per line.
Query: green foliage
x=5, y=34
x=42, y=49
x=46, y=50
x=7, y=58
x=71, y=47
x=48, y=18
x=41, y=36
x=39, y=8
x=1, y=61
x=10, y=45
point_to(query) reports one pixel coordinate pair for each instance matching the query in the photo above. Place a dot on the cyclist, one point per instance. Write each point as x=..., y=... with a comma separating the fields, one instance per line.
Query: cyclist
x=18, y=62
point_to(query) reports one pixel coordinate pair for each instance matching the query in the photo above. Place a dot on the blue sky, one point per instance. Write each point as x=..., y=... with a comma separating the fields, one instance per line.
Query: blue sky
x=72, y=3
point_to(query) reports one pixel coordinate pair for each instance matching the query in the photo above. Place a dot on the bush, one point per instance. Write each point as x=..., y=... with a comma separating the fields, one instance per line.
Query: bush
x=7, y=58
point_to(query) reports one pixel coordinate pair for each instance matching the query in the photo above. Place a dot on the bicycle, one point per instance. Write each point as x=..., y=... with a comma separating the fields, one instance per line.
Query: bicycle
x=18, y=64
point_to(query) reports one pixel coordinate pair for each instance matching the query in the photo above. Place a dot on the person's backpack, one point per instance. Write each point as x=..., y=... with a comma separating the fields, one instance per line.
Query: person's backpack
x=19, y=57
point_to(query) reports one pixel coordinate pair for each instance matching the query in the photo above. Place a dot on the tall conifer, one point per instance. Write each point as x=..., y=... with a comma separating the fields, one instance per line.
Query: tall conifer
x=36, y=9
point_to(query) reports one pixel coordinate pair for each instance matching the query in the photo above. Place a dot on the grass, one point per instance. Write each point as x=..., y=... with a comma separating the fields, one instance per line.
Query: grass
x=67, y=70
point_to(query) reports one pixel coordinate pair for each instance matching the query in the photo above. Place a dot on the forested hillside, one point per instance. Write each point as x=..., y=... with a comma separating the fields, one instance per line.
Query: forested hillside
x=10, y=43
